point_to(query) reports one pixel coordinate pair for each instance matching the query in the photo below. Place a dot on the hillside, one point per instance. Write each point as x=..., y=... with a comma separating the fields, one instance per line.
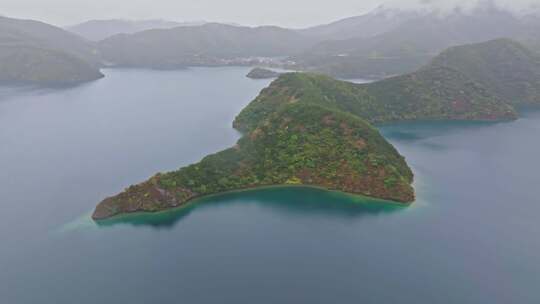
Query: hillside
x=435, y=93
x=28, y=65
x=37, y=53
x=505, y=67
x=207, y=45
x=301, y=144
x=471, y=82
x=19, y=32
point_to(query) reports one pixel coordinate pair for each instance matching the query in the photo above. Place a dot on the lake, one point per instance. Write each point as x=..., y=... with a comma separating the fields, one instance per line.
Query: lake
x=471, y=237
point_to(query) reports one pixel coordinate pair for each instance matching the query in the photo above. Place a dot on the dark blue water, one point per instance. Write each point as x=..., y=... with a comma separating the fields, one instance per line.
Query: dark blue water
x=472, y=236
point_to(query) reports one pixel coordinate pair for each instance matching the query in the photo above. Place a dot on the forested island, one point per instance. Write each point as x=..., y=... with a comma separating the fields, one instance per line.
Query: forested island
x=310, y=129
x=261, y=73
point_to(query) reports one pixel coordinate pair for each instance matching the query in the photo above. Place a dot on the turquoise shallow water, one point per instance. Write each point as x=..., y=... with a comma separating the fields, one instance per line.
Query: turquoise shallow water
x=470, y=238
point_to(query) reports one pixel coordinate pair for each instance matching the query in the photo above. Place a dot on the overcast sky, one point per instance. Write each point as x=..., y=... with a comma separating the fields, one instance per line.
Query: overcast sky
x=289, y=13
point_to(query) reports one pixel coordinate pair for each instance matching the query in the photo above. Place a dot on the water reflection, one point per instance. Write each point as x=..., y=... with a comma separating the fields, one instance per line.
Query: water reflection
x=287, y=201
x=28, y=90
x=417, y=131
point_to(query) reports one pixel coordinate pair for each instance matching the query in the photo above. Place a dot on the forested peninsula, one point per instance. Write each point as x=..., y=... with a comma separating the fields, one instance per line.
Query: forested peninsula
x=313, y=130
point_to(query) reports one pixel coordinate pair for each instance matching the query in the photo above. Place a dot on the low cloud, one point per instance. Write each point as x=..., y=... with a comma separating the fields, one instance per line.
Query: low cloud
x=516, y=6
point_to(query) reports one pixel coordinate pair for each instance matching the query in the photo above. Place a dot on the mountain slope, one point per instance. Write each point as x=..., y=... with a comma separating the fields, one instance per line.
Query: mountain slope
x=503, y=66
x=430, y=94
x=470, y=82
x=300, y=145
x=29, y=65
x=18, y=32
x=413, y=42
x=37, y=53
x=376, y=22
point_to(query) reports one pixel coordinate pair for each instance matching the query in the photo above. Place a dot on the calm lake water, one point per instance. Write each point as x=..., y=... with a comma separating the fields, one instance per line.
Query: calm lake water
x=472, y=236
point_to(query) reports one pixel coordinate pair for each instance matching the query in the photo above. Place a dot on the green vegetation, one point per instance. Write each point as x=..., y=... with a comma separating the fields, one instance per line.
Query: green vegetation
x=503, y=66
x=299, y=144
x=472, y=82
x=371, y=66
x=260, y=73
x=433, y=93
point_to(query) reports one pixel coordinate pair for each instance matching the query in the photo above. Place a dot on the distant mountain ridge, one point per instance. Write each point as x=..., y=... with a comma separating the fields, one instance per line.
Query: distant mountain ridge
x=411, y=40
x=96, y=30
x=376, y=22
x=380, y=44
x=207, y=45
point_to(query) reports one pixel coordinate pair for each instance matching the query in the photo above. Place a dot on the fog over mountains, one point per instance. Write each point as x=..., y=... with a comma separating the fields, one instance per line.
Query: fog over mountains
x=96, y=30
x=384, y=42
x=449, y=6
x=284, y=13
x=409, y=39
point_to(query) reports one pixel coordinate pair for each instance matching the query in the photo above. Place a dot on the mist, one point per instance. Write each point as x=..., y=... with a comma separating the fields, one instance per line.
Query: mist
x=297, y=14
x=447, y=6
